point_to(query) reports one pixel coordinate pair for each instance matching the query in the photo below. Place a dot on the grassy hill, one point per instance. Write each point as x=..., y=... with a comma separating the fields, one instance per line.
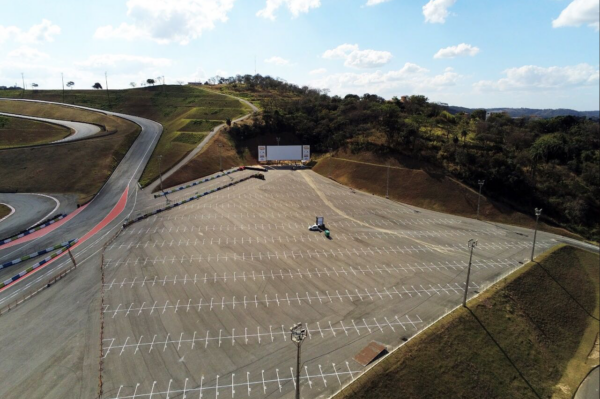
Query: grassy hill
x=17, y=132
x=79, y=168
x=187, y=114
x=532, y=335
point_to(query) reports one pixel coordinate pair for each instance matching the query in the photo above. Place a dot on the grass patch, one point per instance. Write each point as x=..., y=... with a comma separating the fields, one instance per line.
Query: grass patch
x=168, y=105
x=417, y=183
x=217, y=113
x=526, y=337
x=198, y=125
x=190, y=138
x=18, y=132
x=78, y=168
x=4, y=210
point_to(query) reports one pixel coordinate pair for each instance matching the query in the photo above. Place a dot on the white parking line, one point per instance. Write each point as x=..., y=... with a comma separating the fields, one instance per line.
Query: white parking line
x=327, y=298
x=310, y=273
x=318, y=253
x=280, y=332
x=276, y=383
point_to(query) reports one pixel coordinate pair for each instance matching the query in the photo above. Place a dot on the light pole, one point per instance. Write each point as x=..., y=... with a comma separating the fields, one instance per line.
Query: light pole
x=480, y=182
x=63, y=85
x=538, y=212
x=387, y=192
x=23, y=77
x=160, y=175
x=299, y=333
x=472, y=244
x=220, y=163
x=330, y=163
x=107, y=92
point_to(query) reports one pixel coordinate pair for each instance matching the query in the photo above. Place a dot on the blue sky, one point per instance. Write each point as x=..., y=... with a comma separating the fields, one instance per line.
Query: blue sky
x=475, y=53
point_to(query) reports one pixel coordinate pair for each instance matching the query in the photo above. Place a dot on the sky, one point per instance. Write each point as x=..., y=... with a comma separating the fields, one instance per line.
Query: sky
x=472, y=53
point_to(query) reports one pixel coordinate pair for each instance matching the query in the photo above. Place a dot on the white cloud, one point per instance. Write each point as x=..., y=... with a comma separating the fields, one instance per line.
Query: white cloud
x=340, y=52
x=43, y=32
x=356, y=58
x=579, y=12
x=375, y=2
x=411, y=78
x=294, y=6
x=531, y=77
x=124, y=63
x=318, y=71
x=277, y=61
x=164, y=22
x=436, y=11
x=461, y=50
x=26, y=53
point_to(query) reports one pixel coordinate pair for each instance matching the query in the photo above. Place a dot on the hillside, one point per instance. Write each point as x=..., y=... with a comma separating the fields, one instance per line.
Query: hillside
x=187, y=114
x=525, y=163
x=79, y=168
x=531, y=335
x=526, y=112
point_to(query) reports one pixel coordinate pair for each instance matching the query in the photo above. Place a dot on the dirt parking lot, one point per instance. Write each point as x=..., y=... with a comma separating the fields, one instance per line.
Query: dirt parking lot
x=199, y=300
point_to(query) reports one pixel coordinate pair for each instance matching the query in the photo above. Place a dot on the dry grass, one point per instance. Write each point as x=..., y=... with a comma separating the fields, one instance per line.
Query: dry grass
x=429, y=188
x=4, y=210
x=22, y=132
x=79, y=168
x=526, y=337
x=207, y=161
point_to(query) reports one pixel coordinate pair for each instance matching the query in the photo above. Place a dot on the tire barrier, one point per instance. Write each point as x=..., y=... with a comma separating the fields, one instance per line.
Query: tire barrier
x=35, y=254
x=195, y=197
x=33, y=230
x=241, y=168
x=65, y=247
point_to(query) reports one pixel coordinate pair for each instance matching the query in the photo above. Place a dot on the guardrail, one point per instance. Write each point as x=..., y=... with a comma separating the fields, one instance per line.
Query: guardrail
x=195, y=197
x=47, y=259
x=37, y=228
x=239, y=169
x=35, y=255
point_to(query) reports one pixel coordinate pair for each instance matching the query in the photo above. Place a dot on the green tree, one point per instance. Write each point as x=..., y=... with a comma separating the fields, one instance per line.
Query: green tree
x=97, y=86
x=150, y=81
x=478, y=114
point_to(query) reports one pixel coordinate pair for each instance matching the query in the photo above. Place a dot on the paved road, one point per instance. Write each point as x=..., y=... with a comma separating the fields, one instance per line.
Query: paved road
x=56, y=357
x=151, y=187
x=31, y=209
x=80, y=130
x=590, y=388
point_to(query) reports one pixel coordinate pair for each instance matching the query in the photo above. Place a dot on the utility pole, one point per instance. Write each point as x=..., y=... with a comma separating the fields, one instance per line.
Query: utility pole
x=160, y=175
x=299, y=333
x=107, y=93
x=538, y=212
x=330, y=162
x=472, y=244
x=23, y=77
x=480, y=182
x=220, y=161
x=387, y=192
x=163, y=79
x=63, y=85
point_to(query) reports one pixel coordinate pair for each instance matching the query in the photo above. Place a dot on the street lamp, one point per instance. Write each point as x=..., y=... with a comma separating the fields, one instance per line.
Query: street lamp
x=472, y=244
x=220, y=163
x=299, y=333
x=538, y=212
x=330, y=163
x=480, y=182
x=161, y=181
x=387, y=192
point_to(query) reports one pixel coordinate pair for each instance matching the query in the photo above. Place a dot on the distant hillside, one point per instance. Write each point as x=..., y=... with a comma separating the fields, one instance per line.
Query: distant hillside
x=520, y=112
